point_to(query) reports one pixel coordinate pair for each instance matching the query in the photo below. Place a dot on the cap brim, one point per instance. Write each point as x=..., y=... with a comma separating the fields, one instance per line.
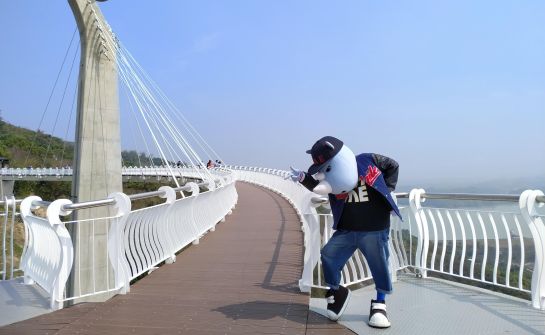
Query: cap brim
x=314, y=168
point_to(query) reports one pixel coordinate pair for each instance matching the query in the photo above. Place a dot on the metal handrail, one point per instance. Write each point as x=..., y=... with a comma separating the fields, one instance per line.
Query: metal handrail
x=454, y=196
x=111, y=201
x=139, y=196
x=17, y=201
x=316, y=200
x=145, y=195
x=468, y=196
x=182, y=188
x=88, y=204
x=319, y=200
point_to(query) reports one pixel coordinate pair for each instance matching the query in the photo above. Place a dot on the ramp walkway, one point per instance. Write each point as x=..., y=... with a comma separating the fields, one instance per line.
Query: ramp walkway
x=242, y=279
x=20, y=302
x=434, y=306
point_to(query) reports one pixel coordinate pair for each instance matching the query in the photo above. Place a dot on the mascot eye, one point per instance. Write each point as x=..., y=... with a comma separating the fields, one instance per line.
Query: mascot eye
x=328, y=169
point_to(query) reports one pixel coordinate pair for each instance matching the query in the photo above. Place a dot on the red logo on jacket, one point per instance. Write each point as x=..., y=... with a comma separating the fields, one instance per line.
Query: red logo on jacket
x=372, y=174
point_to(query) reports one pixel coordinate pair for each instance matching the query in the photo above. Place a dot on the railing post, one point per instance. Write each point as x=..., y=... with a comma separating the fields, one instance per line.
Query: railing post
x=170, y=196
x=13, y=203
x=311, y=237
x=116, y=243
x=527, y=204
x=48, y=255
x=54, y=211
x=415, y=200
x=195, y=191
x=25, y=208
x=4, y=237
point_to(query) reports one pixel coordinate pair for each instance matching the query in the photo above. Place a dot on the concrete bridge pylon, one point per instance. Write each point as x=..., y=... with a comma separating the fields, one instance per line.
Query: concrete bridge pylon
x=97, y=156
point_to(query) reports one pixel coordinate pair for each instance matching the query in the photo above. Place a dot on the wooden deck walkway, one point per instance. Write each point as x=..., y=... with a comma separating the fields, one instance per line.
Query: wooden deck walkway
x=241, y=279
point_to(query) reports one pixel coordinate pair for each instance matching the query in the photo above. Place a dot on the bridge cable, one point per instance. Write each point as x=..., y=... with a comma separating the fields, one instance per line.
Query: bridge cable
x=191, y=130
x=69, y=122
x=156, y=120
x=140, y=106
x=146, y=92
x=151, y=110
x=60, y=104
x=149, y=99
x=131, y=108
x=50, y=96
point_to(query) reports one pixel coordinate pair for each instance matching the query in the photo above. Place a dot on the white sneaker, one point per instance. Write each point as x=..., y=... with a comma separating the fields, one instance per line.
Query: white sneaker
x=377, y=315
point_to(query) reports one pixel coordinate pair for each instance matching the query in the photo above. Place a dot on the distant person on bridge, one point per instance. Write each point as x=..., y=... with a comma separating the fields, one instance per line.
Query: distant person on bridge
x=359, y=190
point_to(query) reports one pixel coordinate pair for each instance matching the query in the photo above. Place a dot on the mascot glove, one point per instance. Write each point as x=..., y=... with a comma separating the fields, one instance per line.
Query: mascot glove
x=296, y=175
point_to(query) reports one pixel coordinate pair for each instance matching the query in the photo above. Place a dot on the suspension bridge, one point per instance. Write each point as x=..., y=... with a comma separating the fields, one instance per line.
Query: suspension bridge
x=236, y=249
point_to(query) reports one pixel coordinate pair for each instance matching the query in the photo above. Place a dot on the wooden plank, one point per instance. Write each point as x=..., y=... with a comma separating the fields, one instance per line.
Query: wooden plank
x=241, y=279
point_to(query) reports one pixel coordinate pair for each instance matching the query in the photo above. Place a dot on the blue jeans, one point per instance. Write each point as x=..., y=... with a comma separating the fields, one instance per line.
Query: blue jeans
x=372, y=244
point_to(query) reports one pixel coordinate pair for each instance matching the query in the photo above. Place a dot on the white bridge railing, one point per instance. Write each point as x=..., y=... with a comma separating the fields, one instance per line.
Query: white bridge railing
x=136, y=240
x=317, y=228
x=127, y=171
x=501, y=248
x=11, y=226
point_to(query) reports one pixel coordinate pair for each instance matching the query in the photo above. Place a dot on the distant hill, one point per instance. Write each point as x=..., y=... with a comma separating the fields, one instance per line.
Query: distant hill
x=49, y=151
x=24, y=147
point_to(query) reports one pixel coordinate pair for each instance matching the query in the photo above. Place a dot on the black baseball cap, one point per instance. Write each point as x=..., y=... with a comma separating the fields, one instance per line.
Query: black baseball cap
x=322, y=151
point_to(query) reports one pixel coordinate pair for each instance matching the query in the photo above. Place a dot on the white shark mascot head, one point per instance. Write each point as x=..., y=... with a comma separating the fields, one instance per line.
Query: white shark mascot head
x=334, y=166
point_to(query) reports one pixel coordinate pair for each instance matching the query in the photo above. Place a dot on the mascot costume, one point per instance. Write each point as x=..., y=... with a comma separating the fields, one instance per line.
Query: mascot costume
x=359, y=190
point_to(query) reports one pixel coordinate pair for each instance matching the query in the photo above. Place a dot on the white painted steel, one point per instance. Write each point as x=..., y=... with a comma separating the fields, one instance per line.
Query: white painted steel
x=48, y=257
x=5, y=215
x=155, y=234
x=9, y=217
x=463, y=255
x=521, y=269
x=114, y=278
x=509, y=249
x=137, y=240
x=454, y=244
x=317, y=229
x=474, y=252
x=496, y=235
x=300, y=198
x=158, y=172
x=497, y=254
x=444, y=243
x=415, y=199
x=434, y=226
x=485, y=242
x=528, y=204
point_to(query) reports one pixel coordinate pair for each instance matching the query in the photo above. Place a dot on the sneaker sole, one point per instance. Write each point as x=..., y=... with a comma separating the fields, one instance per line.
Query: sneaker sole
x=379, y=327
x=335, y=317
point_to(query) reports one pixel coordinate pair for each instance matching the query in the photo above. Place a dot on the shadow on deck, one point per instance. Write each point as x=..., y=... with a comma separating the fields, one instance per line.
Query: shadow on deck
x=435, y=306
x=242, y=279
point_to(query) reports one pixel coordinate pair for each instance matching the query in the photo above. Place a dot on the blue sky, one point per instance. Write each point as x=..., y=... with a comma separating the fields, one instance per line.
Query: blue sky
x=454, y=90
